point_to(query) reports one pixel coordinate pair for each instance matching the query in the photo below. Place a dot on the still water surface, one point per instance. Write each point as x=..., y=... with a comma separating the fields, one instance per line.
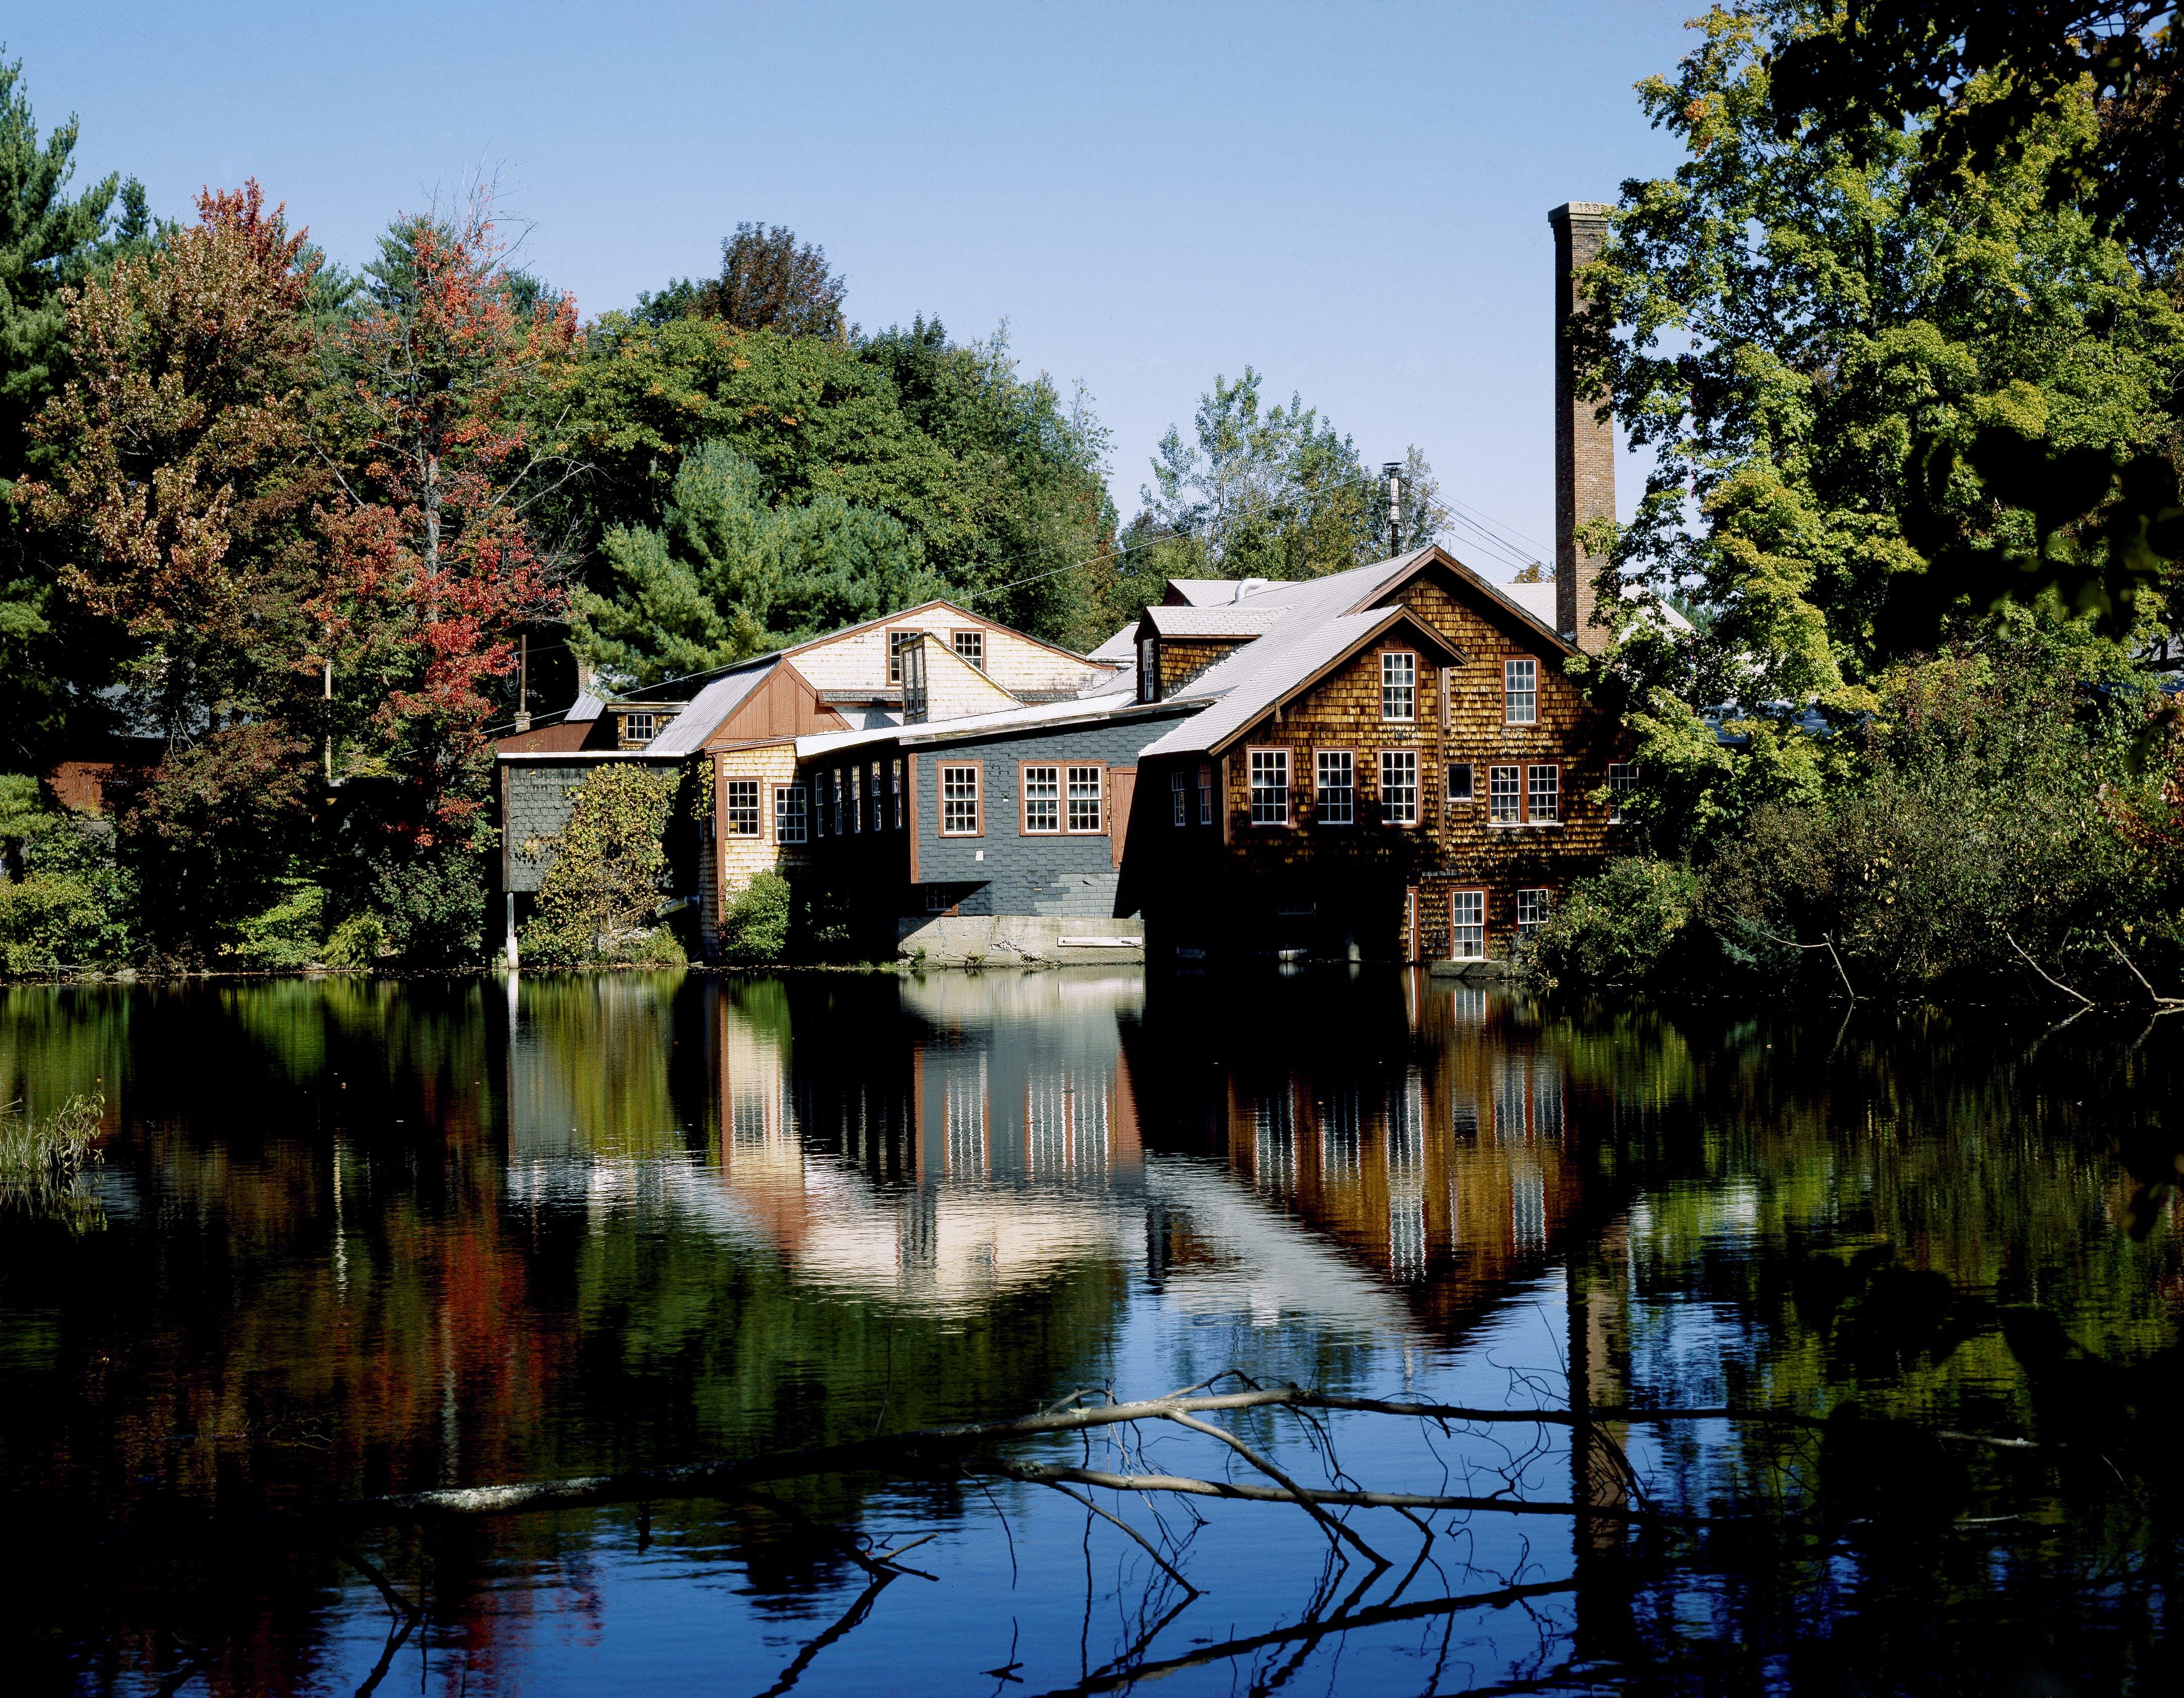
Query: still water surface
x=358, y=1238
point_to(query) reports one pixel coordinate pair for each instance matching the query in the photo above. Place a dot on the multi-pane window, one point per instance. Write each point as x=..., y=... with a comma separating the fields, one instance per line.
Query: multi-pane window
x=742, y=809
x=1466, y=925
x=1206, y=795
x=1042, y=798
x=896, y=640
x=1543, y=794
x=788, y=814
x=856, y=798
x=1622, y=785
x=1520, y=692
x=1270, y=786
x=1337, y=801
x=1149, y=668
x=1504, y=806
x=818, y=804
x=959, y=801
x=1399, y=686
x=1533, y=908
x=1459, y=781
x=1399, y=786
x=894, y=787
x=839, y=789
x=1086, y=787
x=971, y=647
x=639, y=727
x=1177, y=795
x=910, y=665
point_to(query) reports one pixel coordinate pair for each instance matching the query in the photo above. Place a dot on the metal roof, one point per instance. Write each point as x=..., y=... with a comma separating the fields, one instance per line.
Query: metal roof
x=685, y=734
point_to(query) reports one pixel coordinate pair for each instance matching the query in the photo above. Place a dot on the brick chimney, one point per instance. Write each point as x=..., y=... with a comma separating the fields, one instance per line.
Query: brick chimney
x=1584, y=437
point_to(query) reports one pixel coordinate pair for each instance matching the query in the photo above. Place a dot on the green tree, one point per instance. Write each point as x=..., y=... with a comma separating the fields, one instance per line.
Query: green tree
x=768, y=281
x=50, y=242
x=1832, y=361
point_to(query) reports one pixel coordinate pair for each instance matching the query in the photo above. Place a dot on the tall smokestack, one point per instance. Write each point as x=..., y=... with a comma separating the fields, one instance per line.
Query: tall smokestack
x=1584, y=434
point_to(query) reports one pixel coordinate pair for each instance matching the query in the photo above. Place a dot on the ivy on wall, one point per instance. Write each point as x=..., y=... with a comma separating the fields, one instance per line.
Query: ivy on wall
x=600, y=899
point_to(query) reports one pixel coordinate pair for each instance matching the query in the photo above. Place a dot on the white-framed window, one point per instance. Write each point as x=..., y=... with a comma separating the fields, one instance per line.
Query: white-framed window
x=1459, y=781
x=1178, y=795
x=1466, y=925
x=959, y=801
x=1206, y=795
x=910, y=665
x=1042, y=800
x=1533, y=908
x=1622, y=785
x=1399, y=786
x=1504, y=802
x=639, y=727
x=896, y=641
x=1399, y=686
x=1336, y=800
x=1270, y=786
x=894, y=787
x=1149, y=668
x=856, y=798
x=1520, y=692
x=970, y=647
x=789, y=811
x=1087, y=801
x=1543, y=794
x=742, y=809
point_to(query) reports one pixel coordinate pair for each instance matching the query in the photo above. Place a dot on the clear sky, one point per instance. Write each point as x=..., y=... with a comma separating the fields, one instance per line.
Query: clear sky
x=1353, y=198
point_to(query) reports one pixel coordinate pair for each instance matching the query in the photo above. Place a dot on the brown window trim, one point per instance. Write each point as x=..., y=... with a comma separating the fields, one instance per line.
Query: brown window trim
x=1418, y=818
x=1106, y=798
x=1289, y=819
x=940, y=798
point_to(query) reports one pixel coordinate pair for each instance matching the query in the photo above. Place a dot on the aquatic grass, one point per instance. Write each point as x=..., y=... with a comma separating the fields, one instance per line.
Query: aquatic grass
x=43, y=1158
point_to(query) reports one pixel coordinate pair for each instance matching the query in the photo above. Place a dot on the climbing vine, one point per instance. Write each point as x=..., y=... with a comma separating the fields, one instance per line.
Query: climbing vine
x=600, y=899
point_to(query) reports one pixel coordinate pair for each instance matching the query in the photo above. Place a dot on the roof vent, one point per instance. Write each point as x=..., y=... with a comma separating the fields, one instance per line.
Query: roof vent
x=1251, y=586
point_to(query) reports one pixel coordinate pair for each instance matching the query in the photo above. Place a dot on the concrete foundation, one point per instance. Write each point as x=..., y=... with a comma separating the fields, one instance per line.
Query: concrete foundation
x=1018, y=940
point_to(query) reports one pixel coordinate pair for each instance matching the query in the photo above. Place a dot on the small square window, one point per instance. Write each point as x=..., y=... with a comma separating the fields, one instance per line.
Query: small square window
x=1399, y=786
x=741, y=807
x=1520, y=692
x=1503, y=802
x=1534, y=909
x=1459, y=782
x=1042, y=799
x=1543, y=795
x=639, y=727
x=970, y=647
x=1337, y=801
x=1270, y=786
x=1399, y=686
x=788, y=814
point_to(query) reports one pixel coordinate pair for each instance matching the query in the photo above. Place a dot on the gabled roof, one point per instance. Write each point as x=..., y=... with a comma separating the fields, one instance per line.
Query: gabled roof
x=1250, y=620
x=1119, y=649
x=685, y=734
x=973, y=725
x=902, y=613
x=1269, y=673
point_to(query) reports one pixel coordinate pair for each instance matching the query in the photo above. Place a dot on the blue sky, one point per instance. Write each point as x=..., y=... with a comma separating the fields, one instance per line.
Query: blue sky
x=1351, y=198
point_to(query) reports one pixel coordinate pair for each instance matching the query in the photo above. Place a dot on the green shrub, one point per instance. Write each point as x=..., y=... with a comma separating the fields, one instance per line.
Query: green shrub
x=357, y=944
x=51, y=920
x=754, y=929
x=287, y=936
x=431, y=905
x=1627, y=927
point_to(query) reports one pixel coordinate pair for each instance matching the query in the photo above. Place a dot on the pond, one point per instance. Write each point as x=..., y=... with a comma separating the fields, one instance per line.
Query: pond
x=351, y=1239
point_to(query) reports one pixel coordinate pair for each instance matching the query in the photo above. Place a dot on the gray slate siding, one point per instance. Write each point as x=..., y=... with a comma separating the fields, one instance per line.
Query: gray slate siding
x=539, y=804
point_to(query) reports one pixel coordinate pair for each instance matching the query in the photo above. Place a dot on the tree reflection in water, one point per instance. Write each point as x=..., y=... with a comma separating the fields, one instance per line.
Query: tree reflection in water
x=358, y=1238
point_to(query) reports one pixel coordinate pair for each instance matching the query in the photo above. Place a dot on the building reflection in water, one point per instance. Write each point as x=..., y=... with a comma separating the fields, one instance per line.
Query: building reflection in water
x=941, y=1140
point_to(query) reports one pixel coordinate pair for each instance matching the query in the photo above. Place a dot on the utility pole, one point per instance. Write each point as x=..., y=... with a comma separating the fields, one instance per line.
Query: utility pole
x=329, y=698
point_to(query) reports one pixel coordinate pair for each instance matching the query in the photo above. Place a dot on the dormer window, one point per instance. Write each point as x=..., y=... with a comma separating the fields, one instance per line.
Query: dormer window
x=639, y=727
x=1149, y=668
x=909, y=667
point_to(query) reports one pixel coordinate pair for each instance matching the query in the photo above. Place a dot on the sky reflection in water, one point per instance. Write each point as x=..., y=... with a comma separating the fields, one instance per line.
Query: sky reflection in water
x=356, y=1238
